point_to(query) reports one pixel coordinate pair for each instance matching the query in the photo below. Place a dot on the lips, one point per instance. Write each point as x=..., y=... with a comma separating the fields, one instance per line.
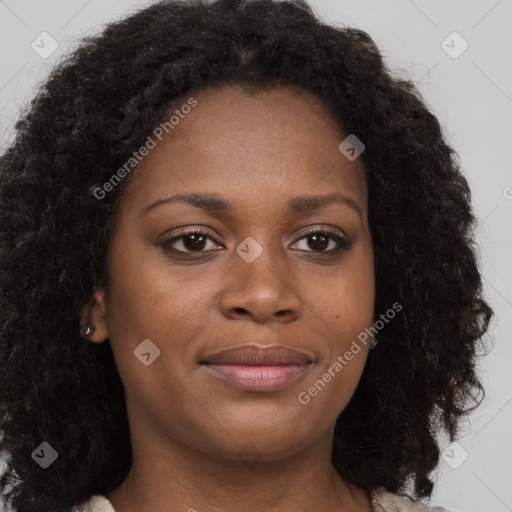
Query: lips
x=252, y=355
x=253, y=368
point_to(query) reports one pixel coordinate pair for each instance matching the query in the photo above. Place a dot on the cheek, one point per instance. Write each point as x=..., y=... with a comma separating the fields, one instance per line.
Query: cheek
x=151, y=300
x=343, y=300
x=343, y=311
x=143, y=286
x=342, y=315
x=135, y=303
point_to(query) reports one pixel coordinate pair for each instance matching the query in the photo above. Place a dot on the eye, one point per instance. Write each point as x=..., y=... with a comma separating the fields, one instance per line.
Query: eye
x=321, y=241
x=325, y=241
x=189, y=241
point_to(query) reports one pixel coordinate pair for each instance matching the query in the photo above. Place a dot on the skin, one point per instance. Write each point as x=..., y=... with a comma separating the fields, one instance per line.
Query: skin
x=199, y=442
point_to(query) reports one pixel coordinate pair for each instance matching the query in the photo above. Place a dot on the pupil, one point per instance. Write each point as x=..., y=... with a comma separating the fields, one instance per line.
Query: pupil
x=197, y=242
x=324, y=243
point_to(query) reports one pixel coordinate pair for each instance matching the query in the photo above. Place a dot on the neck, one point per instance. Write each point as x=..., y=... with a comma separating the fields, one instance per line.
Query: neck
x=184, y=479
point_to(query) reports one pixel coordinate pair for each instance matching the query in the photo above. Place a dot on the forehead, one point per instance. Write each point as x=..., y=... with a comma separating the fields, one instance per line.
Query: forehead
x=248, y=145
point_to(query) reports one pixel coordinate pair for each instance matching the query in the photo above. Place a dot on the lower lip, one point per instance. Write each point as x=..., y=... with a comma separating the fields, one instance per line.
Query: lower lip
x=257, y=378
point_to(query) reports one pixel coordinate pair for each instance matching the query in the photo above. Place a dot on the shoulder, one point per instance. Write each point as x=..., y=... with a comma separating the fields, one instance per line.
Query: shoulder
x=383, y=501
x=96, y=503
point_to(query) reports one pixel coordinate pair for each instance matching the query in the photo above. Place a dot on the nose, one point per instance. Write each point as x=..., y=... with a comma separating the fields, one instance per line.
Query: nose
x=262, y=291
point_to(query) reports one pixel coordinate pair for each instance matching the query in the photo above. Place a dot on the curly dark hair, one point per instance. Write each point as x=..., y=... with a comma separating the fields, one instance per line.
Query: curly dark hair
x=99, y=105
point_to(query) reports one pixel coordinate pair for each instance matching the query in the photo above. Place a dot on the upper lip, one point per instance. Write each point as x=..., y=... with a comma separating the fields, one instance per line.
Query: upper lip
x=253, y=355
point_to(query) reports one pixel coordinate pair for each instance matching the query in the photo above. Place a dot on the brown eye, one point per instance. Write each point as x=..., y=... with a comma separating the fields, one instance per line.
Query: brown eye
x=324, y=241
x=192, y=241
x=319, y=241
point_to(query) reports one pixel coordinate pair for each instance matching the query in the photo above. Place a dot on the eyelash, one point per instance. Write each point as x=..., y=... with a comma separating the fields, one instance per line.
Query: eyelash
x=344, y=243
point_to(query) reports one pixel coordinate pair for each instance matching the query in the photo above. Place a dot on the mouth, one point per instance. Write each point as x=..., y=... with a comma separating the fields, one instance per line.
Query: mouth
x=252, y=368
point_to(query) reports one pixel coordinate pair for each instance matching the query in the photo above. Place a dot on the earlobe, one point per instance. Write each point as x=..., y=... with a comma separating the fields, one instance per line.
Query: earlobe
x=93, y=324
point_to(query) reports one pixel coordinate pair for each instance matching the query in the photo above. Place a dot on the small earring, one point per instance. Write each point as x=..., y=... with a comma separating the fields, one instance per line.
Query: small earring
x=373, y=343
x=88, y=330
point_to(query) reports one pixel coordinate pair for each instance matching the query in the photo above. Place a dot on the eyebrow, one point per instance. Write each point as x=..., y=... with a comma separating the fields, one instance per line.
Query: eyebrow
x=216, y=204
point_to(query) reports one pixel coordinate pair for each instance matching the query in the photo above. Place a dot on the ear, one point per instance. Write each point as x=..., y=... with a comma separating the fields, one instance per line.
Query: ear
x=93, y=313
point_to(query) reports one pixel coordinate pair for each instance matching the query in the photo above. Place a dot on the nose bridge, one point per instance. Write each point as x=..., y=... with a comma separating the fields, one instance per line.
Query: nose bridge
x=260, y=261
x=261, y=277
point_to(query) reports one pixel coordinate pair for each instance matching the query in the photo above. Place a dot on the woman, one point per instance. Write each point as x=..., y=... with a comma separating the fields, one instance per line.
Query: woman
x=237, y=273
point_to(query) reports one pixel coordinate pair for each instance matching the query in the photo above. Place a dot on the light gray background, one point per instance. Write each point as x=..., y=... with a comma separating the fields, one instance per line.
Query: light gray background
x=472, y=97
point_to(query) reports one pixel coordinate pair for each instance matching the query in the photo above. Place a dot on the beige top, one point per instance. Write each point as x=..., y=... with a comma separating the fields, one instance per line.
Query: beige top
x=382, y=501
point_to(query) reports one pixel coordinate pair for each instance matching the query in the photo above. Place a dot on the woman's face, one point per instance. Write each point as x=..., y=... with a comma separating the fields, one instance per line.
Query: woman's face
x=253, y=275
